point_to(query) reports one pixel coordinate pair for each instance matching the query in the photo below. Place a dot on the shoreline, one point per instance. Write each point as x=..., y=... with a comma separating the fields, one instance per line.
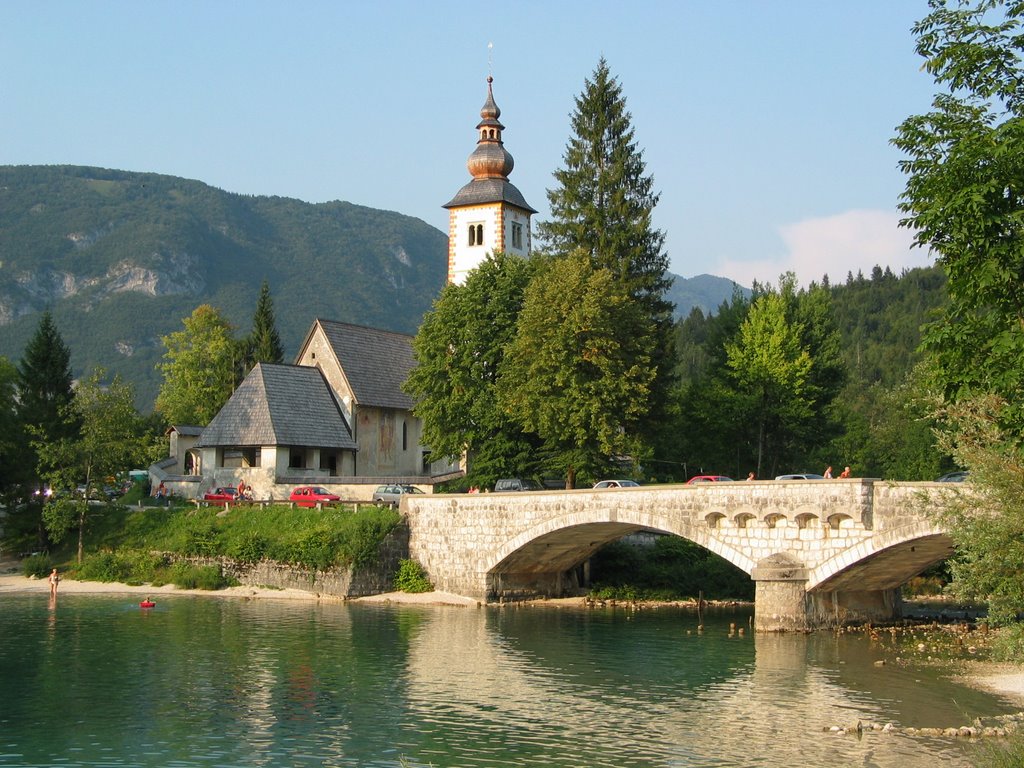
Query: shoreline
x=1001, y=679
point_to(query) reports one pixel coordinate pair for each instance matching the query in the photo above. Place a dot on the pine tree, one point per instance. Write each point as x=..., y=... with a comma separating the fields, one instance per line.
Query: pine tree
x=44, y=383
x=264, y=342
x=604, y=202
x=603, y=205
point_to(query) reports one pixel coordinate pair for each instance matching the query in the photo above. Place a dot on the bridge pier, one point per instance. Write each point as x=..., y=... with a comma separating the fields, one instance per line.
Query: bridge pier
x=782, y=603
x=780, y=595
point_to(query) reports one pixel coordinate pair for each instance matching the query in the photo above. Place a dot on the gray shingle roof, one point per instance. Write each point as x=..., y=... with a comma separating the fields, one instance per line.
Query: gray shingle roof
x=480, y=191
x=376, y=362
x=280, y=405
x=186, y=429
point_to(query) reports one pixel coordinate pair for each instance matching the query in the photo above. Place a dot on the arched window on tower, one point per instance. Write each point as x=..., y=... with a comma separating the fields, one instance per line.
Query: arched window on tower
x=476, y=234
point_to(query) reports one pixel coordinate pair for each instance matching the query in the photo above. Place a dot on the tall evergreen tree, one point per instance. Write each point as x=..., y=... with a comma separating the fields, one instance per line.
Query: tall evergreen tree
x=264, y=342
x=44, y=383
x=603, y=206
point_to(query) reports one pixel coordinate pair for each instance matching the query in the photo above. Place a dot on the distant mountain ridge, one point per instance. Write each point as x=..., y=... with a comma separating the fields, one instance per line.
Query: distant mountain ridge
x=121, y=257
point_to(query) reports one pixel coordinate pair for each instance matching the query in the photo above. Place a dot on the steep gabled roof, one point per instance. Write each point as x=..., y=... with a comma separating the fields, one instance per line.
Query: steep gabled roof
x=376, y=363
x=280, y=405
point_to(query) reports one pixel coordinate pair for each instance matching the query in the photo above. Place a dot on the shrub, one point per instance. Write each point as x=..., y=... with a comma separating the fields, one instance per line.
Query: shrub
x=131, y=566
x=412, y=578
x=187, y=576
x=1009, y=644
x=251, y=547
x=37, y=565
x=203, y=539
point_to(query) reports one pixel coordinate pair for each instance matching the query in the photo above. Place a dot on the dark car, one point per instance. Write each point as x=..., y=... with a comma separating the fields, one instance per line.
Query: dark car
x=392, y=494
x=954, y=477
x=507, y=484
x=311, y=495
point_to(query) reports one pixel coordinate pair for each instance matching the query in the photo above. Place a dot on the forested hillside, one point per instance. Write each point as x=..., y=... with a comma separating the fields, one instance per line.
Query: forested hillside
x=121, y=258
x=814, y=377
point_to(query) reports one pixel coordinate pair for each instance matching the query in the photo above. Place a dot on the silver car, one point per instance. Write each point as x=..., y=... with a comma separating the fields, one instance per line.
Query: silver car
x=392, y=494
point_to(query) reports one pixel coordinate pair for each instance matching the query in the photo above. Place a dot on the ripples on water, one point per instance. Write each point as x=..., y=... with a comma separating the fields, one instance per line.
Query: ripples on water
x=225, y=682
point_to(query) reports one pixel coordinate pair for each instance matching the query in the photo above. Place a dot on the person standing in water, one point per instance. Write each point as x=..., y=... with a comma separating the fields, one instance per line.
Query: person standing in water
x=54, y=581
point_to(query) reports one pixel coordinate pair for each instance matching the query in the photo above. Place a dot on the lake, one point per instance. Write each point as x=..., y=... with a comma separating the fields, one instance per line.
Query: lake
x=208, y=681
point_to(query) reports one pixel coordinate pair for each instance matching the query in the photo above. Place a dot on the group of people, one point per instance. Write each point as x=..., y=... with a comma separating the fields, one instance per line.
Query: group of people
x=827, y=474
x=244, y=492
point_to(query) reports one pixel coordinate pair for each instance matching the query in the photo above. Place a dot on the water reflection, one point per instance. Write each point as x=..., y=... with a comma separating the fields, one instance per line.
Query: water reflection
x=198, y=682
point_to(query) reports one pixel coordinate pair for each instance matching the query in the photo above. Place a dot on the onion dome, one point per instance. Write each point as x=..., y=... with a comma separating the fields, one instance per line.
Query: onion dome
x=490, y=159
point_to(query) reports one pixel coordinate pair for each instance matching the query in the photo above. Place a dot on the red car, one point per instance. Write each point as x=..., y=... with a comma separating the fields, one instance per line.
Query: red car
x=311, y=495
x=708, y=479
x=222, y=495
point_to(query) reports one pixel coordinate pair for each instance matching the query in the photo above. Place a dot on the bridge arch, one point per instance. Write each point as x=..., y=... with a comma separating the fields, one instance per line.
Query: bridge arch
x=884, y=561
x=565, y=541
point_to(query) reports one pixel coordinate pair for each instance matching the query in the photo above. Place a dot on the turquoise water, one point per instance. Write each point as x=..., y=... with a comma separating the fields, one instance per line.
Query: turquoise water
x=207, y=681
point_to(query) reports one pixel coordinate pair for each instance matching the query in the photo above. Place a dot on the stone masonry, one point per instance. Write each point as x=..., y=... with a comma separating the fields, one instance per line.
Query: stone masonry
x=820, y=552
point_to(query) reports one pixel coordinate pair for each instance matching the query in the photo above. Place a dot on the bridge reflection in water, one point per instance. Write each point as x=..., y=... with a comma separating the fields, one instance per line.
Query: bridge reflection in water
x=621, y=689
x=820, y=552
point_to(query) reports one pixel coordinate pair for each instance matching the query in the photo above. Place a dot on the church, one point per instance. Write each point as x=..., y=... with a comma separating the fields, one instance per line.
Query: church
x=338, y=417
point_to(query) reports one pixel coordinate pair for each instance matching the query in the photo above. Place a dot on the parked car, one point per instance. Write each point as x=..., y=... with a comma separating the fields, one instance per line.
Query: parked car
x=954, y=477
x=392, y=494
x=708, y=479
x=516, y=484
x=225, y=493
x=311, y=495
x=801, y=476
x=617, y=484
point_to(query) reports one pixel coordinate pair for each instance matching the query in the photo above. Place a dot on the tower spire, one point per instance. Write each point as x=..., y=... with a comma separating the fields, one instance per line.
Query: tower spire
x=488, y=214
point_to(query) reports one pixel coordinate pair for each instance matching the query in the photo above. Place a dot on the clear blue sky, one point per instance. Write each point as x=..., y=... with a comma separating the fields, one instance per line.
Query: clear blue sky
x=766, y=124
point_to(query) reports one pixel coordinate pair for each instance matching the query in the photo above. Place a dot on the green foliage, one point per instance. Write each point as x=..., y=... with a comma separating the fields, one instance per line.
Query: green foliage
x=412, y=578
x=460, y=349
x=1009, y=645
x=673, y=568
x=37, y=565
x=964, y=198
x=986, y=517
x=603, y=208
x=263, y=344
x=44, y=384
x=13, y=469
x=250, y=547
x=579, y=372
x=199, y=368
x=1000, y=753
x=188, y=576
x=197, y=244
x=203, y=539
x=129, y=566
x=110, y=440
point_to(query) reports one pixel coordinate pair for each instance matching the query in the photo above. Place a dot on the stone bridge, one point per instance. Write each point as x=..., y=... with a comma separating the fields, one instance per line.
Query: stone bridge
x=820, y=552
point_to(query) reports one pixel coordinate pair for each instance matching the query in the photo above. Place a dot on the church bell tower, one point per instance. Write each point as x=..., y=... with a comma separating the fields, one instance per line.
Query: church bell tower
x=488, y=214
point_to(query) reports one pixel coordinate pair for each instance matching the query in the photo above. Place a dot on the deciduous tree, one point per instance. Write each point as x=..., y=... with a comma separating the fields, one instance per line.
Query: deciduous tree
x=460, y=349
x=579, y=372
x=199, y=368
x=111, y=440
x=965, y=195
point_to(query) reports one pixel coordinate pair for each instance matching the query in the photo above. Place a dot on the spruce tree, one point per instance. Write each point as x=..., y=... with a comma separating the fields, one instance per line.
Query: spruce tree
x=603, y=205
x=264, y=343
x=44, y=383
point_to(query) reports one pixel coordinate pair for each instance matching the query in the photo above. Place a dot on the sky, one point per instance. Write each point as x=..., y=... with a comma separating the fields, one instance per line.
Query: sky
x=766, y=124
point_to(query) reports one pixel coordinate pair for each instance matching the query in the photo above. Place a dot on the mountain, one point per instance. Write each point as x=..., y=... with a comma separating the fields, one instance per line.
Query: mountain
x=120, y=258
x=705, y=292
